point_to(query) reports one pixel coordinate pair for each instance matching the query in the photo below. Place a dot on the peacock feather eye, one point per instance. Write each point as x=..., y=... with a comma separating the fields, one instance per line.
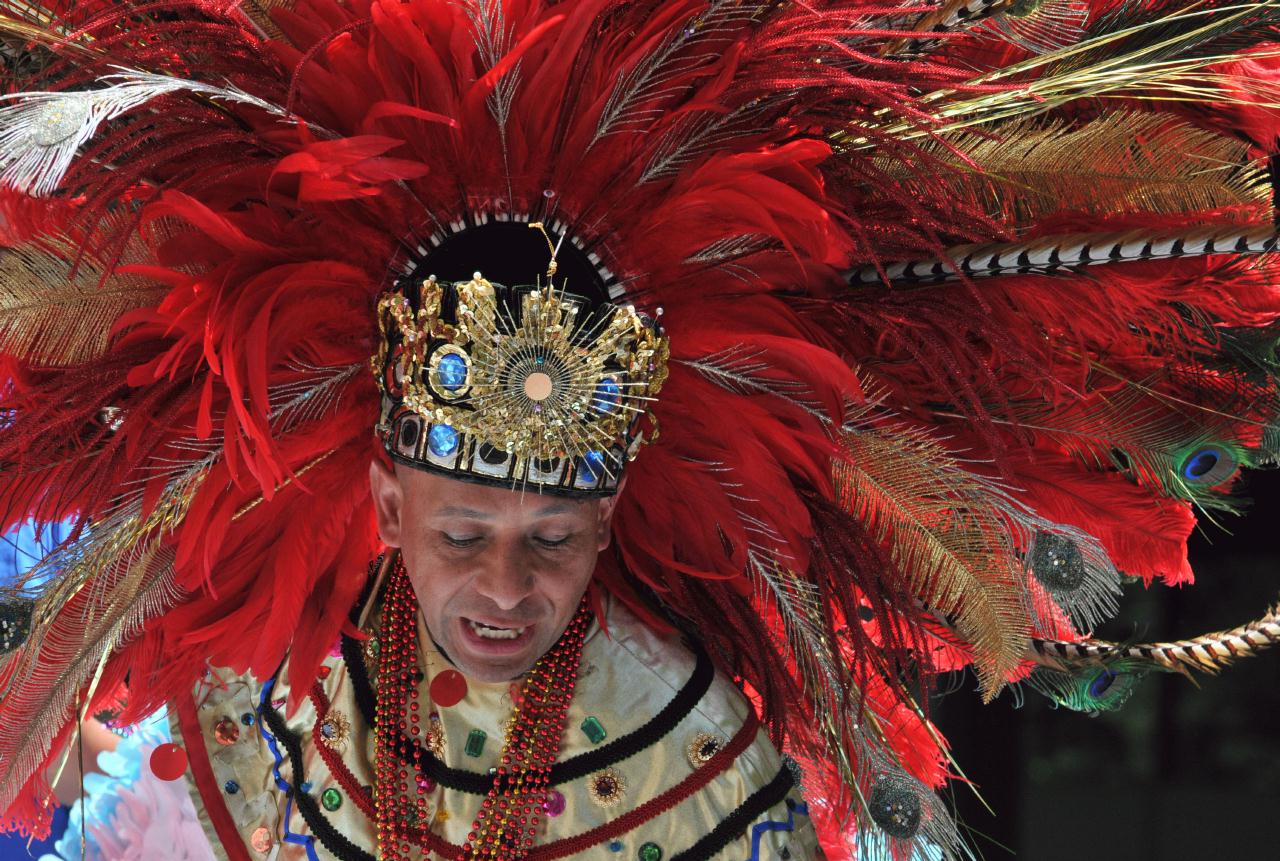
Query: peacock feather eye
x=1209, y=466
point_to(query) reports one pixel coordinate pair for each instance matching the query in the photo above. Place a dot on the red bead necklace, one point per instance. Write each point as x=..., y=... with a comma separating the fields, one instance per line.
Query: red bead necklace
x=508, y=819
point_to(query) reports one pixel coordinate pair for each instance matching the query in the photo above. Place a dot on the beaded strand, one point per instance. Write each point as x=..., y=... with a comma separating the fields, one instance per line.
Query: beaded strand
x=508, y=819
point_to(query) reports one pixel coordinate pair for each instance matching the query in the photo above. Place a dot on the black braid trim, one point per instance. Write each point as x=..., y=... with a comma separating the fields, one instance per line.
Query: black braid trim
x=323, y=830
x=614, y=752
x=736, y=823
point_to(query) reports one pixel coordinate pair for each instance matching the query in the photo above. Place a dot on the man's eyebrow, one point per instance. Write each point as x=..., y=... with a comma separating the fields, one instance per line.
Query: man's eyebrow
x=455, y=511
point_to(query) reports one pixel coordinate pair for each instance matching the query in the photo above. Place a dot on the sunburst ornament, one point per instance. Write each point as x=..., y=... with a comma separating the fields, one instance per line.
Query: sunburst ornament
x=526, y=385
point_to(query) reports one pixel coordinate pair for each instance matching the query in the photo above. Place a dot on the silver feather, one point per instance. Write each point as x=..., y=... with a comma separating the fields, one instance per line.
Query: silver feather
x=41, y=132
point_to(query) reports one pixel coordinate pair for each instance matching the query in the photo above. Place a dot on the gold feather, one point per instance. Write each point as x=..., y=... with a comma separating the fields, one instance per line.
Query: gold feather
x=1123, y=162
x=55, y=311
x=1164, y=58
x=946, y=531
x=44, y=678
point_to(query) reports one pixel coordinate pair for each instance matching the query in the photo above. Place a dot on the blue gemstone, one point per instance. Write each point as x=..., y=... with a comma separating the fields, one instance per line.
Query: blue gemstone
x=452, y=370
x=615, y=846
x=607, y=397
x=231, y=787
x=443, y=440
x=306, y=786
x=592, y=467
x=247, y=718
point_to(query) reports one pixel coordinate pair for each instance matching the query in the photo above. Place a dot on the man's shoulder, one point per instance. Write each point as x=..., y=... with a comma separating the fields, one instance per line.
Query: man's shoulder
x=686, y=754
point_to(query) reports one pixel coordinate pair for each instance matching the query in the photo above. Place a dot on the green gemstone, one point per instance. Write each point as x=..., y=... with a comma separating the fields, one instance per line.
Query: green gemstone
x=475, y=742
x=594, y=730
x=650, y=852
x=331, y=799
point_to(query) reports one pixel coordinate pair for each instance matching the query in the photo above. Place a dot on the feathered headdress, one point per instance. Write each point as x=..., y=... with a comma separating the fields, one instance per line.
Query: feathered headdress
x=972, y=308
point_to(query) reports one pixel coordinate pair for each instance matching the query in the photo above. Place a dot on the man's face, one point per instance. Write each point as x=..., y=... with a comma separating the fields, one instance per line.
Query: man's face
x=498, y=573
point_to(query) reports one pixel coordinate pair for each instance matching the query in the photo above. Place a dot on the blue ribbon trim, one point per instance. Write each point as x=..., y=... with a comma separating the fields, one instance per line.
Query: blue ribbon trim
x=758, y=830
x=281, y=783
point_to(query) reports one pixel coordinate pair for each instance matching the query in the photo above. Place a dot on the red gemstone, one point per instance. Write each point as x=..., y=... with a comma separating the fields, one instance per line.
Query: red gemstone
x=325, y=670
x=448, y=688
x=168, y=762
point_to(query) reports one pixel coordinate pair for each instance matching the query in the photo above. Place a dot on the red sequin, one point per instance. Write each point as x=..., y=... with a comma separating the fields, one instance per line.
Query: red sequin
x=448, y=688
x=168, y=762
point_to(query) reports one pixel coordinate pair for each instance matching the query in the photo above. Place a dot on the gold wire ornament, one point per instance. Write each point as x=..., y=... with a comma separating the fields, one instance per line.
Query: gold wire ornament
x=531, y=374
x=607, y=788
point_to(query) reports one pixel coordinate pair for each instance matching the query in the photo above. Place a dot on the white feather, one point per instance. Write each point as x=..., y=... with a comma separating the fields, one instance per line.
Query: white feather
x=41, y=132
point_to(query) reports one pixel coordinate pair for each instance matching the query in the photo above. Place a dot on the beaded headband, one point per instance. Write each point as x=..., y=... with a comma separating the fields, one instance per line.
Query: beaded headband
x=514, y=385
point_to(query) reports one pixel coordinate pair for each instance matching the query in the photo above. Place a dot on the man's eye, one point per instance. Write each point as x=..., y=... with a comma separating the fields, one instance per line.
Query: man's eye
x=553, y=542
x=459, y=541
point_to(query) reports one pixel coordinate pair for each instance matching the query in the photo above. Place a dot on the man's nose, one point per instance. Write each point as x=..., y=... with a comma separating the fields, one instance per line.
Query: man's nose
x=506, y=578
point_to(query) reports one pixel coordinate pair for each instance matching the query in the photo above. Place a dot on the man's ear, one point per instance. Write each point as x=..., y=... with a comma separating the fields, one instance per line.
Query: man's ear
x=388, y=501
x=607, y=506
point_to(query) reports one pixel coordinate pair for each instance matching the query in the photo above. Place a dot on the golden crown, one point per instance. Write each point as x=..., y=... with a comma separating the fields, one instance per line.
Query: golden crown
x=518, y=385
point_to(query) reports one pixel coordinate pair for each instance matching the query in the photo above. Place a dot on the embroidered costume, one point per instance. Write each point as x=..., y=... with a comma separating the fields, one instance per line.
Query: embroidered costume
x=914, y=332
x=660, y=751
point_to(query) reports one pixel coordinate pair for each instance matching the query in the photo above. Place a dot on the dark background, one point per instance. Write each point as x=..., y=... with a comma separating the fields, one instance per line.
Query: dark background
x=1180, y=773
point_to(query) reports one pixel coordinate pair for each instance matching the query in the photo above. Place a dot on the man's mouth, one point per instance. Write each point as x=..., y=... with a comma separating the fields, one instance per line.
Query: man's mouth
x=493, y=632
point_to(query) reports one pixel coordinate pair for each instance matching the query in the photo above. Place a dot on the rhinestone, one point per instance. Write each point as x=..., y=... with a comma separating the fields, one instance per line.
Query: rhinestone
x=452, y=371
x=607, y=397
x=247, y=718
x=650, y=852
x=591, y=468
x=305, y=787
x=475, y=742
x=615, y=846
x=442, y=440
x=226, y=732
x=555, y=803
x=594, y=730
x=331, y=799
x=231, y=787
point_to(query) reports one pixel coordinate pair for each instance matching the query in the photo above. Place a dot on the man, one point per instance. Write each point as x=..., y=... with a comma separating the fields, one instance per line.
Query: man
x=722, y=251
x=499, y=576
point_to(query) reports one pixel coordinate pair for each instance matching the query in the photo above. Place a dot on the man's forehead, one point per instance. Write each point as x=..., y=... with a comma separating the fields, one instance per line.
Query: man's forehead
x=449, y=497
